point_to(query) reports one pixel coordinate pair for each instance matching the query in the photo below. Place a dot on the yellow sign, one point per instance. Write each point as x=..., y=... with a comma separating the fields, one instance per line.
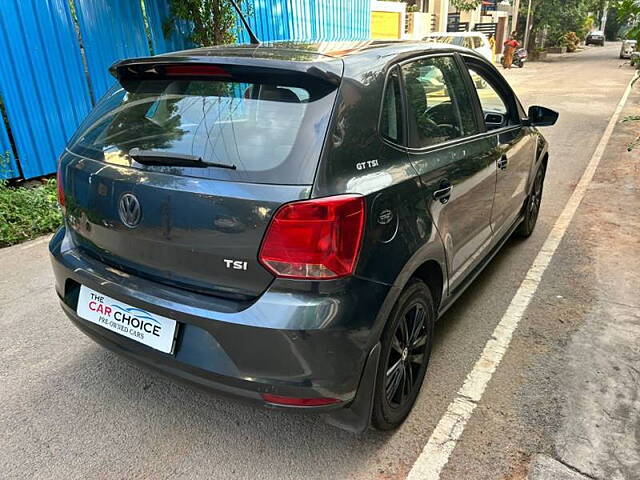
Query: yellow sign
x=385, y=25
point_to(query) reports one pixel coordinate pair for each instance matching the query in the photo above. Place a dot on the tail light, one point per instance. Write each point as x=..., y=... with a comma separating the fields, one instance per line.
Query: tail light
x=299, y=402
x=315, y=239
x=61, y=199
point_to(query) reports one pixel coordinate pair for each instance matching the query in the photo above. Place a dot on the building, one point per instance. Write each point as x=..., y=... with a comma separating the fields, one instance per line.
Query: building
x=414, y=19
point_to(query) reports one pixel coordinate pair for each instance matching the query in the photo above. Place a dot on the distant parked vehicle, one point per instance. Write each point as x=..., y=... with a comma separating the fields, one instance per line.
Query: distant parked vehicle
x=474, y=40
x=595, y=38
x=627, y=48
x=520, y=57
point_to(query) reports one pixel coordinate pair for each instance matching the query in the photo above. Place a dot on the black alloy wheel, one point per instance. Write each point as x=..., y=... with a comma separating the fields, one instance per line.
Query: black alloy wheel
x=406, y=347
x=532, y=208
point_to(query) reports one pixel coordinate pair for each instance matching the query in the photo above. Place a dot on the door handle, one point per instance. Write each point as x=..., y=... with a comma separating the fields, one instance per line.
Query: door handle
x=443, y=194
x=503, y=162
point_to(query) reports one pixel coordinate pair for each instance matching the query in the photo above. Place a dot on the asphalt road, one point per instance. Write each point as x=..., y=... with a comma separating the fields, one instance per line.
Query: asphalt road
x=73, y=410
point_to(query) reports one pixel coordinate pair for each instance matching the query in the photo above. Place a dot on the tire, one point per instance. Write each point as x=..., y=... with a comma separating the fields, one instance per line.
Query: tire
x=532, y=205
x=521, y=65
x=402, y=367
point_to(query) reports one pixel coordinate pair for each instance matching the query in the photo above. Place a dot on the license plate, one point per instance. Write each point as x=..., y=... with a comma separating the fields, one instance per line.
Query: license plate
x=137, y=324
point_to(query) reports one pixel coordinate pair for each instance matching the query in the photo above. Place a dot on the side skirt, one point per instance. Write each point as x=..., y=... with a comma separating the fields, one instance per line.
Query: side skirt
x=472, y=276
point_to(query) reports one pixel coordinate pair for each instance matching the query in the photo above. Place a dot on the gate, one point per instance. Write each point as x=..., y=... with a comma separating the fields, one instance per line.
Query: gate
x=486, y=28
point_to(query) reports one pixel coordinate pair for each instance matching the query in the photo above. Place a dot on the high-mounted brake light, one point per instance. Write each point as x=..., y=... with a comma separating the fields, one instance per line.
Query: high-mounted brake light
x=61, y=199
x=195, y=71
x=315, y=239
x=298, y=402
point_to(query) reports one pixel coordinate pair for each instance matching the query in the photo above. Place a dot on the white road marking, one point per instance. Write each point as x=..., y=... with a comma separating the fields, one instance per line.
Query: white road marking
x=445, y=436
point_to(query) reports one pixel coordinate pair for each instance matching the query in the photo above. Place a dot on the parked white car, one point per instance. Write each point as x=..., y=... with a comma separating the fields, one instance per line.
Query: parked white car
x=474, y=40
x=627, y=48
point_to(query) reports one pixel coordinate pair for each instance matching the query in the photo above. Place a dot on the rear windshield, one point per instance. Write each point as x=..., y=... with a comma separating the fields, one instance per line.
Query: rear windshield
x=270, y=131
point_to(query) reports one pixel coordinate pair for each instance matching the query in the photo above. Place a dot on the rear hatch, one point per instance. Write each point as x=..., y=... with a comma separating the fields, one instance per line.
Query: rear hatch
x=177, y=172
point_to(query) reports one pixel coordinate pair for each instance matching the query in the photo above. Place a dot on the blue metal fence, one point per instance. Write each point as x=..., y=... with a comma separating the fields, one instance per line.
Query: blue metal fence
x=47, y=91
x=111, y=30
x=157, y=14
x=9, y=170
x=42, y=80
x=309, y=20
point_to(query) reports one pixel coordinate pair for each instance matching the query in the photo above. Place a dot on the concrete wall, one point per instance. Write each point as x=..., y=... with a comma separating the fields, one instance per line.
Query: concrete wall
x=440, y=8
x=388, y=20
x=419, y=25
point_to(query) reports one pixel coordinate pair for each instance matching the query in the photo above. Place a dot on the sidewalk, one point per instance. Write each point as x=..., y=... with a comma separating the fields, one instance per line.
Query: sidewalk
x=599, y=434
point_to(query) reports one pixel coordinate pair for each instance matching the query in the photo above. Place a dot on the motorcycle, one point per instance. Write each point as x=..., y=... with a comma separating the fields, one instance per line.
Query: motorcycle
x=520, y=57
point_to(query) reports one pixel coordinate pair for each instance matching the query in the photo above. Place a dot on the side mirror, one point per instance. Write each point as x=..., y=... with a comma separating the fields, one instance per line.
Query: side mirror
x=542, y=117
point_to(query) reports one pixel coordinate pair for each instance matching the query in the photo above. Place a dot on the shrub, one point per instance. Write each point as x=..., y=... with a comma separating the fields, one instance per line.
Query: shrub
x=27, y=211
x=572, y=41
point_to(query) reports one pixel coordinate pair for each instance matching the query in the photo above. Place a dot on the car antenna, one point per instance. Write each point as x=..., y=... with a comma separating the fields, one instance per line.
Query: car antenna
x=252, y=36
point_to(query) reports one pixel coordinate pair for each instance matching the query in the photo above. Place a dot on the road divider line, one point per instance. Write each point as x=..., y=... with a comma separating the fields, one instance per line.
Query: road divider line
x=449, y=429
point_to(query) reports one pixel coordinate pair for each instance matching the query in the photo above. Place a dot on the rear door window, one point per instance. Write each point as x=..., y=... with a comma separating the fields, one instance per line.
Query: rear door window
x=439, y=106
x=391, y=117
x=270, y=130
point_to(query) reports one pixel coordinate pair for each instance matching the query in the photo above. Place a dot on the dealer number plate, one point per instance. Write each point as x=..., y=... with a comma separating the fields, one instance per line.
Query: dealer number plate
x=131, y=322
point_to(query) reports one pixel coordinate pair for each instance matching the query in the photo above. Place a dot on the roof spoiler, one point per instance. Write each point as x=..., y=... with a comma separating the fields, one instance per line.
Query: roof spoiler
x=159, y=67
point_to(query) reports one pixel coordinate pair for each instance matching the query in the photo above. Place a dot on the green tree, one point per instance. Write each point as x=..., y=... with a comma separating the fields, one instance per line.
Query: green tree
x=213, y=21
x=558, y=17
x=629, y=13
x=466, y=5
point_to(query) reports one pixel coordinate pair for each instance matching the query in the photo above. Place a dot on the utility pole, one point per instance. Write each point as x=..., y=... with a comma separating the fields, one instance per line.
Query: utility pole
x=603, y=23
x=528, y=27
x=515, y=14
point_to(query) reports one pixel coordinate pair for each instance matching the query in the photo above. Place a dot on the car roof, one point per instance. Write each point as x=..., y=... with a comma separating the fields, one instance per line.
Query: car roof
x=349, y=59
x=307, y=50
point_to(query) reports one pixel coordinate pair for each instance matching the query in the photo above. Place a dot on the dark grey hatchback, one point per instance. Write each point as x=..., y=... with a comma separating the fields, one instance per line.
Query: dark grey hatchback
x=286, y=222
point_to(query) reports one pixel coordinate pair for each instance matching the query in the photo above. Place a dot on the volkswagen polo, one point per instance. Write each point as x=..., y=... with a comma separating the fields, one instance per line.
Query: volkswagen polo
x=286, y=222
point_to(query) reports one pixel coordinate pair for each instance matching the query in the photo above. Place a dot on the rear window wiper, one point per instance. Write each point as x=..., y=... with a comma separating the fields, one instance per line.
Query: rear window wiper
x=152, y=157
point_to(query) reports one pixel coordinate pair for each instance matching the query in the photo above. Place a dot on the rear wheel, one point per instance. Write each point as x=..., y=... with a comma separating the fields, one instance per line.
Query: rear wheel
x=406, y=347
x=532, y=207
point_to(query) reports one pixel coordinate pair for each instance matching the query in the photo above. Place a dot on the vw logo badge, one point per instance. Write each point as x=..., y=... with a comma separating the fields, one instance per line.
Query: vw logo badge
x=129, y=210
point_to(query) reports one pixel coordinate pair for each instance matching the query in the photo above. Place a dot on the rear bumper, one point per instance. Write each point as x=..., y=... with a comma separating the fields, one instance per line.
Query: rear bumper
x=298, y=339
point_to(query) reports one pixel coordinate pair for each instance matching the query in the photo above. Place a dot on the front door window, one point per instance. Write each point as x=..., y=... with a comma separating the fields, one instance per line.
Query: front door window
x=439, y=106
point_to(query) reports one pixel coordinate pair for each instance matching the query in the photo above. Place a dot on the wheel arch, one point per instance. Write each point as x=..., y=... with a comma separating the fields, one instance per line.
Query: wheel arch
x=430, y=272
x=428, y=264
x=542, y=158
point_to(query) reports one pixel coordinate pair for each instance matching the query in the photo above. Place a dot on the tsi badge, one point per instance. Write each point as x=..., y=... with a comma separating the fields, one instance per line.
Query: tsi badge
x=235, y=264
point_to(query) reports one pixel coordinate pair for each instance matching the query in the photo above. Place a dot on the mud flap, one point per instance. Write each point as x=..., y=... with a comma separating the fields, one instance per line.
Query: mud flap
x=357, y=416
